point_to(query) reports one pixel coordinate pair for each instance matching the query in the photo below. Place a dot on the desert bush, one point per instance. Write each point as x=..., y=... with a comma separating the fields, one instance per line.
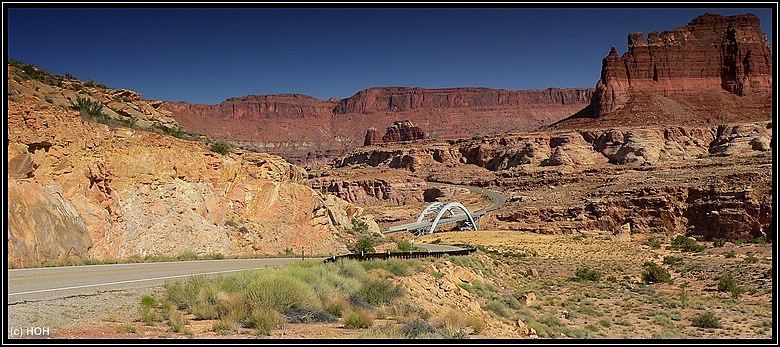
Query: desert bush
x=409, y=310
x=187, y=255
x=403, y=245
x=148, y=310
x=227, y=325
x=498, y=307
x=358, y=227
x=364, y=245
x=654, y=273
x=454, y=320
x=687, y=244
x=417, y=328
x=179, y=132
x=654, y=243
x=480, y=288
x=185, y=293
x=264, y=320
x=380, y=291
x=718, y=242
x=358, y=319
x=176, y=320
x=585, y=273
x=671, y=260
x=731, y=254
x=88, y=108
x=281, y=292
x=204, y=310
x=726, y=283
x=706, y=320
x=398, y=267
x=221, y=147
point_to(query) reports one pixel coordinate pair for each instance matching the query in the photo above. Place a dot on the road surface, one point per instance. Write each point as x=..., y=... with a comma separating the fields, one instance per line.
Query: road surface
x=56, y=282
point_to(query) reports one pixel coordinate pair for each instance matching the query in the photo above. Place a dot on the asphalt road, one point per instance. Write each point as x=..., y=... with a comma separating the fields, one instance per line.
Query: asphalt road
x=56, y=282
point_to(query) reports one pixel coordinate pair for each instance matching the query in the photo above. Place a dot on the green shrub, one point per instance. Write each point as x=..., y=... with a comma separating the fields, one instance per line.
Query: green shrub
x=204, y=310
x=726, y=284
x=264, y=320
x=498, y=308
x=281, y=292
x=403, y=245
x=584, y=273
x=358, y=319
x=706, y=320
x=148, y=310
x=364, y=246
x=380, y=291
x=187, y=255
x=176, y=321
x=671, y=260
x=179, y=132
x=221, y=147
x=88, y=108
x=358, y=227
x=687, y=244
x=654, y=243
x=227, y=325
x=654, y=273
x=731, y=254
x=398, y=267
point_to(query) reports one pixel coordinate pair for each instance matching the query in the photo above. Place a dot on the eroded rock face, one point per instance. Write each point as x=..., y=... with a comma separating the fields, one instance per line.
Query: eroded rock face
x=358, y=190
x=629, y=146
x=399, y=99
x=306, y=130
x=89, y=190
x=42, y=225
x=711, y=52
x=403, y=131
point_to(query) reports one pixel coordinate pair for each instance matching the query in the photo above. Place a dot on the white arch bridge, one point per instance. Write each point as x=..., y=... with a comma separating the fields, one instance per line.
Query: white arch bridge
x=450, y=213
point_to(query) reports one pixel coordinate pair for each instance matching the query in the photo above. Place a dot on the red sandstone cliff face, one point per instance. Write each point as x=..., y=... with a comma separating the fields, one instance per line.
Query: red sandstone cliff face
x=304, y=129
x=399, y=99
x=711, y=52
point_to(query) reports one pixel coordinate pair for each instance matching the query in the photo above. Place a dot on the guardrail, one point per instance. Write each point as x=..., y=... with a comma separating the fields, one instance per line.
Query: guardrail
x=403, y=255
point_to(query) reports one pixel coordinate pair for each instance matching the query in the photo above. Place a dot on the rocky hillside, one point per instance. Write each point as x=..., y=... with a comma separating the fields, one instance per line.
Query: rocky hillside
x=713, y=182
x=715, y=69
x=116, y=185
x=305, y=129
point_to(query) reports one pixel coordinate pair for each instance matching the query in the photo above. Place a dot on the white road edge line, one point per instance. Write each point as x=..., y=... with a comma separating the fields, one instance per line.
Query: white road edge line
x=120, y=282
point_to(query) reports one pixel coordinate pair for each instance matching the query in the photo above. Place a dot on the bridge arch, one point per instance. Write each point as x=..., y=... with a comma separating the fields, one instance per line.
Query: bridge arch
x=432, y=208
x=448, y=207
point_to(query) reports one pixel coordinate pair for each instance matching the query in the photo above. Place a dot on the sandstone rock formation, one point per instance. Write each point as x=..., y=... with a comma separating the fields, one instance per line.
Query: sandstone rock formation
x=712, y=52
x=403, y=131
x=307, y=130
x=82, y=189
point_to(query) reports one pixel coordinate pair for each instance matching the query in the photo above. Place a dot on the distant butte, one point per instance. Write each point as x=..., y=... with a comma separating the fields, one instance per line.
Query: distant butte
x=715, y=69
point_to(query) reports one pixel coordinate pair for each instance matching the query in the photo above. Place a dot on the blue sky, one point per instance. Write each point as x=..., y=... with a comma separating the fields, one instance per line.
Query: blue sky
x=206, y=55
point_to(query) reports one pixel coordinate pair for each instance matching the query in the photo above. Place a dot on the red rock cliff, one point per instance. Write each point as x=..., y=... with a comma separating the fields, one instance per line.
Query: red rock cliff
x=399, y=99
x=711, y=52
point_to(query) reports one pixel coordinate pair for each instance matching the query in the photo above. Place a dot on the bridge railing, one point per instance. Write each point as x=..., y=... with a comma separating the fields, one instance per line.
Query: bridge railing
x=403, y=255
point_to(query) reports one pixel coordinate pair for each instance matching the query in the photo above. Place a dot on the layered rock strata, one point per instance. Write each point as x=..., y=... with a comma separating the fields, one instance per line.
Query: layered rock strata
x=82, y=189
x=305, y=129
x=730, y=53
